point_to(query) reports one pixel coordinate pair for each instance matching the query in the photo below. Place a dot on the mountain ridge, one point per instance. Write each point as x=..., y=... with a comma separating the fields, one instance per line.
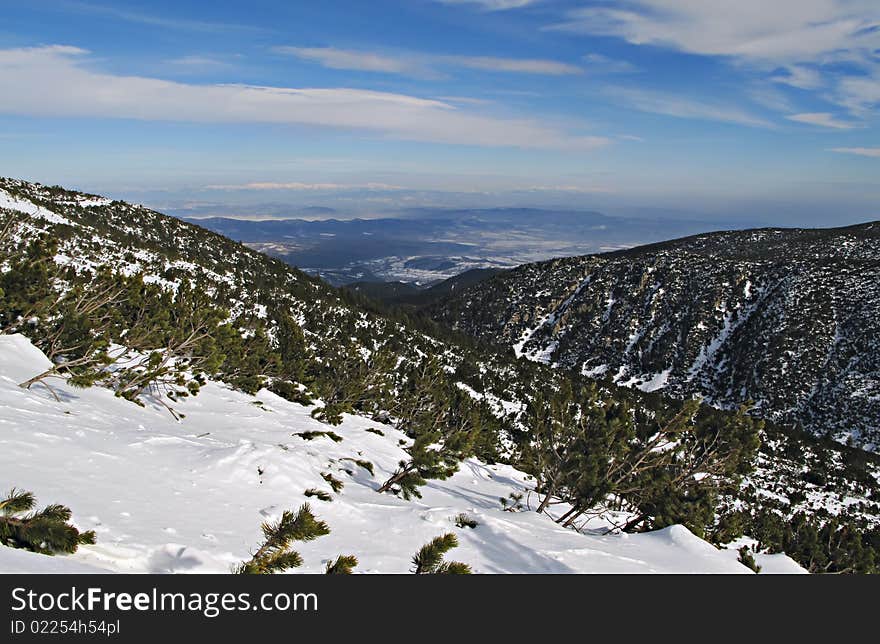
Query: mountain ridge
x=701, y=314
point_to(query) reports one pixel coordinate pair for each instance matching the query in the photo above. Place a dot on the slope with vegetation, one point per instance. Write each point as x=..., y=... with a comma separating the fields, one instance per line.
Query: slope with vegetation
x=787, y=321
x=154, y=309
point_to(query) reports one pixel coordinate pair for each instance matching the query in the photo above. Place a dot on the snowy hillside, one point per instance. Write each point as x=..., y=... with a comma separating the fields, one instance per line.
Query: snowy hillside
x=189, y=496
x=786, y=319
x=130, y=302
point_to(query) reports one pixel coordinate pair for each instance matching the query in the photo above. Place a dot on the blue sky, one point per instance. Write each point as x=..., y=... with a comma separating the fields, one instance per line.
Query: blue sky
x=763, y=111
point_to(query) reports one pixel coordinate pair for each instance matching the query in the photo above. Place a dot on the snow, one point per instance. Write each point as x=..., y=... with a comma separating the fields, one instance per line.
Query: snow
x=21, y=205
x=777, y=564
x=594, y=372
x=656, y=382
x=14, y=561
x=544, y=355
x=20, y=359
x=189, y=496
x=95, y=202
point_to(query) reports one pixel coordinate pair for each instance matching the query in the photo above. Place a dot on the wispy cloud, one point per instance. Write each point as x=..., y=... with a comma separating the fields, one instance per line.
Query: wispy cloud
x=334, y=58
x=860, y=94
x=600, y=64
x=153, y=20
x=587, y=190
x=195, y=63
x=801, y=37
x=800, y=77
x=29, y=75
x=683, y=107
x=492, y=5
x=304, y=187
x=783, y=31
x=512, y=65
x=770, y=97
x=874, y=153
x=822, y=119
x=424, y=65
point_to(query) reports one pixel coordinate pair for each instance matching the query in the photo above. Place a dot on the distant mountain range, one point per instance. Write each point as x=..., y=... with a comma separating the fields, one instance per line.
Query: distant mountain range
x=424, y=245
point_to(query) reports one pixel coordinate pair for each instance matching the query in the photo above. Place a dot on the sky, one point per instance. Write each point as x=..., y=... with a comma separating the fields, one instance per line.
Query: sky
x=748, y=110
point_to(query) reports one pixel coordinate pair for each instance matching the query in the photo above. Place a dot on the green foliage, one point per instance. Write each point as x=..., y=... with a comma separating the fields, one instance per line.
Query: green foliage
x=321, y=495
x=513, y=502
x=349, y=382
x=429, y=559
x=312, y=435
x=344, y=565
x=290, y=391
x=335, y=484
x=829, y=547
x=747, y=559
x=275, y=555
x=367, y=465
x=46, y=531
x=443, y=422
x=464, y=521
x=667, y=466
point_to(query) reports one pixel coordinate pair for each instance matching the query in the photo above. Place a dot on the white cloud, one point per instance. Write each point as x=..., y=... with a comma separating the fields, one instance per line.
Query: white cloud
x=587, y=190
x=423, y=65
x=781, y=31
x=860, y=94
x=492, y=5
x=863, y=152
x=151, y=20
x=822, y=119
x=802, y=36
x=304, y=187
x=514, y=65
x=354, y=60
x=800, y=77
x=197, y=63
x=683, y=107
x=599, y=64
x=770, y=97
x=29, y=76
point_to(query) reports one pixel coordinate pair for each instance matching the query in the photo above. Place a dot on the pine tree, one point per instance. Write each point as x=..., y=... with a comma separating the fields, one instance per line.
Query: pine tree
x=344, y=565
x=275, y=555
x=579, y=442
x=695, y=455
x=443, y=423
x=47, y=531
x=747, y=559
x=429, y=559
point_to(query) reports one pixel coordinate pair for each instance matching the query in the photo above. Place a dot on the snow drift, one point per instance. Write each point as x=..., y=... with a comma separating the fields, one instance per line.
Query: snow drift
x=188, y=497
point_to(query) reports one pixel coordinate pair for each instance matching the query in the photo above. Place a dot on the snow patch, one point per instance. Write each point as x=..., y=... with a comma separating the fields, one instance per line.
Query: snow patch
x=28, y=207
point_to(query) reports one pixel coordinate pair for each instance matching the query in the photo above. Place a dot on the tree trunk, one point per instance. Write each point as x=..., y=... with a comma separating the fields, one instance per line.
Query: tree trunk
x=633, y=523
x=397, y=476
x=572, y=518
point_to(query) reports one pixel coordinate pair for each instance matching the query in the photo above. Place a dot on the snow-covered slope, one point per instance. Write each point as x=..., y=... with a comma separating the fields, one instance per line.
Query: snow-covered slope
x=189, y=496
x=785, y=319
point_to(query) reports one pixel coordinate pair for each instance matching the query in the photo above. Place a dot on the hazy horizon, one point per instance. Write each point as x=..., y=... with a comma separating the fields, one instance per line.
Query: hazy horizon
x=728, y=113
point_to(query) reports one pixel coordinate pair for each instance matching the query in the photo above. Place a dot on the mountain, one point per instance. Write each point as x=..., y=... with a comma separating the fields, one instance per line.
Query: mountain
x=427, y=245
x=143, y=329
x=787, y=319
